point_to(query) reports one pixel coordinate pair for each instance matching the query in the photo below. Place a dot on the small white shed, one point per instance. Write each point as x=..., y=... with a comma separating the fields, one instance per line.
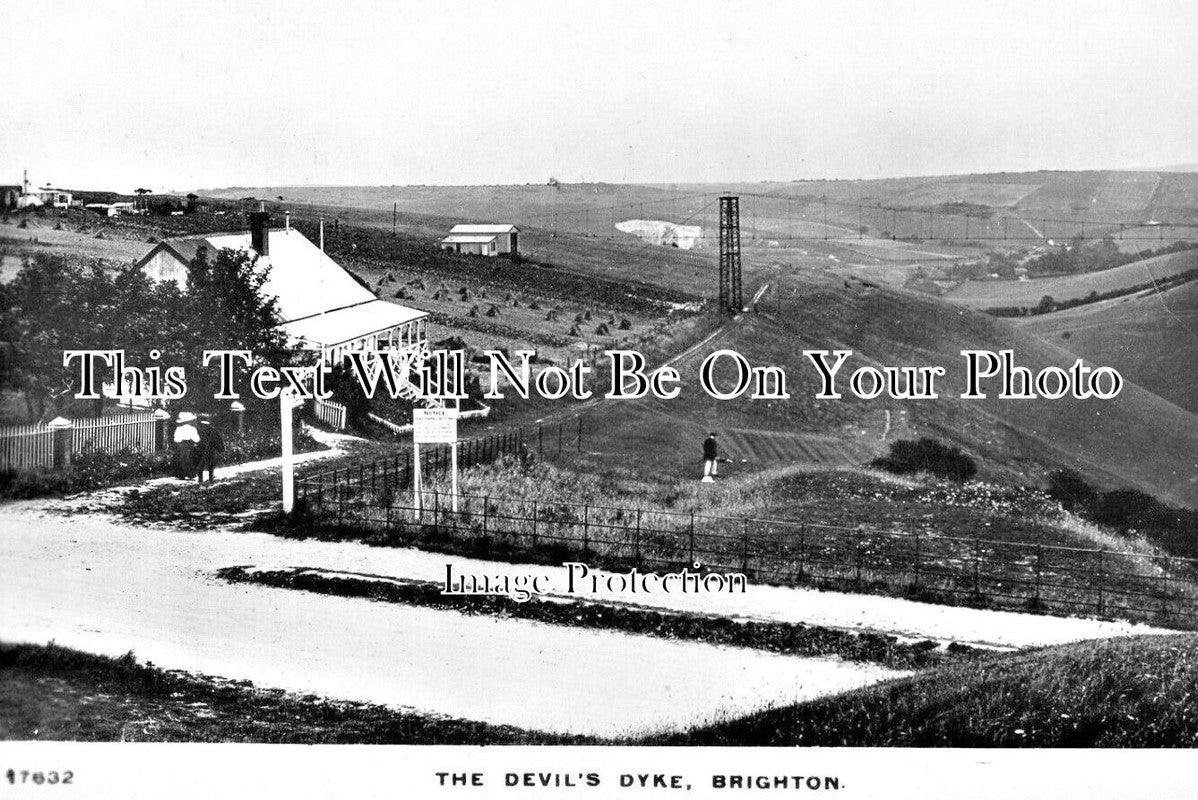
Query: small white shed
x=507, y=237
x=473, y=244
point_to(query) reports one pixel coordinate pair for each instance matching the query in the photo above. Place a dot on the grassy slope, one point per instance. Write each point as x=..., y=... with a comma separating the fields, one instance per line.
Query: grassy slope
x=994, y=294
x=1136, y=439
x=52, y=693
x=1114, y=693
x=1151, y=339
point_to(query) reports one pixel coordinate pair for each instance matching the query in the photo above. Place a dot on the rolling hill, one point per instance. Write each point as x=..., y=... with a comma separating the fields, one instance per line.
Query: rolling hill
x=999, y=204
x=1137, y=439
x=1151, y=338
x=997, y=294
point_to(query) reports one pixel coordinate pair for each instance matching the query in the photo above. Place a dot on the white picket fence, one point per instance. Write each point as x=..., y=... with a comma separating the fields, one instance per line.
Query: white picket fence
x=114, y=434
x=26, y=447
x=330, y=413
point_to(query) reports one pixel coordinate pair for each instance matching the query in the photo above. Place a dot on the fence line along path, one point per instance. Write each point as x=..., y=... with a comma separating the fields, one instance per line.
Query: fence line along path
x=45, y=446
x=925, y=565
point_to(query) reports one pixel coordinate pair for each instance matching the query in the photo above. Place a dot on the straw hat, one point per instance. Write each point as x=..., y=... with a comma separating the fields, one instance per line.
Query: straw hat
x=185, y=416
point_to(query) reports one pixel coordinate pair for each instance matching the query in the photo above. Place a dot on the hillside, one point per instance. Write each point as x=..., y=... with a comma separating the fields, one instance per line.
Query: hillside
x=997, y=294
x=1136, y=439
x=1151, y=338
x=1112, y=693
x=1000, y=205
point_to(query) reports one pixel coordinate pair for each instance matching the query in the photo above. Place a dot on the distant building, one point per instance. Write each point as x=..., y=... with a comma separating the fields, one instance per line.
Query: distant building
x=324, y=309
x=9, y=196
x=55, y=198
x=483, y=240
x=113, y=209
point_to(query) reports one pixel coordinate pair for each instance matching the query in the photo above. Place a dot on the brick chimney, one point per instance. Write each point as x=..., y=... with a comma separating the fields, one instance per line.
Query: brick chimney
x=260, y=230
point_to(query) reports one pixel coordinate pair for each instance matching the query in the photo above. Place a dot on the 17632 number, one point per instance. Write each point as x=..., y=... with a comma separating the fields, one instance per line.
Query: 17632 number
x=39, y=778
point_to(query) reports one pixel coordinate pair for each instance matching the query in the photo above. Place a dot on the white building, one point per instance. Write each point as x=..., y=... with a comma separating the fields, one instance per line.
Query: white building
x=55, y=198
x=483, y=240
x=323, y=308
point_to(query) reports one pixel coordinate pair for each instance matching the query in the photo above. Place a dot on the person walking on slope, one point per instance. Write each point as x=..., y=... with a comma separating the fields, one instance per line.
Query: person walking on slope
x=710, y=458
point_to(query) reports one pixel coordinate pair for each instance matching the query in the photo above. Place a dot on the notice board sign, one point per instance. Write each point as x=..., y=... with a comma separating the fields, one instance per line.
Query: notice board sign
x=434, y=425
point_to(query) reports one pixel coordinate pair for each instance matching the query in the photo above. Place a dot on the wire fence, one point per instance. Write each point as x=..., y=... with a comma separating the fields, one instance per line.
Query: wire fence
x=934, y=567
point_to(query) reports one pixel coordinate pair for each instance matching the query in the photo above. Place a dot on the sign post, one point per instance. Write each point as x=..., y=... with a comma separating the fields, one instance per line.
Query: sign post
x=287, y=402
x=434, y=426
x=453, y=455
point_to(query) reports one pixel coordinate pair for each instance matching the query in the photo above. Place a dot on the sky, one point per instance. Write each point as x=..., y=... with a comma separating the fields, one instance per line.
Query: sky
x=250, y=93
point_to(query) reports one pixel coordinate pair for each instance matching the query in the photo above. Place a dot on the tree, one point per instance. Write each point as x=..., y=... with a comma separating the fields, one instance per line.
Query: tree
x=53, y=305
x=225, y=308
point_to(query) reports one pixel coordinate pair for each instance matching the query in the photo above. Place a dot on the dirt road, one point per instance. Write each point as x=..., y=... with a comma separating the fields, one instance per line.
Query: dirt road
x=91, y=583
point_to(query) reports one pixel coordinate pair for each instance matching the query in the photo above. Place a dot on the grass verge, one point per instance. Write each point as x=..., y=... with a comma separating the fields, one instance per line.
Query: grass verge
x=1136, y=692
x=48, y=692
x=776, y=637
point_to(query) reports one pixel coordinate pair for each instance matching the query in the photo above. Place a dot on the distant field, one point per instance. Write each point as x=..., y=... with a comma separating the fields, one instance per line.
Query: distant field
x=1126, y=191
x=989, y=194
x=41, y=237
x=997, y=294
x=1151, y=339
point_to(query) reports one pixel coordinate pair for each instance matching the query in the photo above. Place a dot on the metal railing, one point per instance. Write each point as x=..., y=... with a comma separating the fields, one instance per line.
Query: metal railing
x=930, y=566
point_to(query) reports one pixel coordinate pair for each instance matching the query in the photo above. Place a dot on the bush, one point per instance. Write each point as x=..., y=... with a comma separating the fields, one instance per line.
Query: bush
x=1174, y=529
x=1071, y=490
x=927, y=455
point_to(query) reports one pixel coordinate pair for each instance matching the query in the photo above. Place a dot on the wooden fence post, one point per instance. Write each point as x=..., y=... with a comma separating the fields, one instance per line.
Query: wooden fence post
x=917, y=554
x=977, y=560
x=1101, y=579
x=858, y=559
x=1169, y=570
x=586, y=528
x=692, y=537
x=534, y=524
x=744, y=548
x=637, y=541
x=1039, y=570
x=802, y=550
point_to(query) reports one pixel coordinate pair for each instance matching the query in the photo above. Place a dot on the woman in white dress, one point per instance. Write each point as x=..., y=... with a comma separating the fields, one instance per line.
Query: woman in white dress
x=186, y=439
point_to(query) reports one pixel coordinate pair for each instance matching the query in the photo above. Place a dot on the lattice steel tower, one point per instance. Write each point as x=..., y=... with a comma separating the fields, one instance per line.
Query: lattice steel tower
x=731, y=297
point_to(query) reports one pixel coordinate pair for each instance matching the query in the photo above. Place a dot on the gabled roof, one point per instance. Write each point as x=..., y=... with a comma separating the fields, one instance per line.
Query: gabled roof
x=464, y=238
x=305, y=280
x=469, y=228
